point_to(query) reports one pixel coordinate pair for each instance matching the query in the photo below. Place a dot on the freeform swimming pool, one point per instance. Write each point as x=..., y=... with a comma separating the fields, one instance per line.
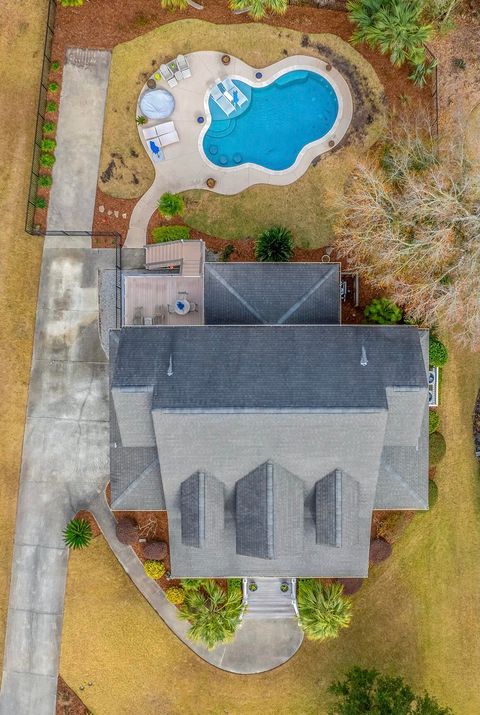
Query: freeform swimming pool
x=278, y=120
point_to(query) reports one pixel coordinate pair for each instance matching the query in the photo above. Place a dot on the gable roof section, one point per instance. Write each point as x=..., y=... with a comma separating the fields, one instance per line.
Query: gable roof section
x=202, y=510
x=269, y=513
x=272, y=293
x=292, y=367
x=336, y=509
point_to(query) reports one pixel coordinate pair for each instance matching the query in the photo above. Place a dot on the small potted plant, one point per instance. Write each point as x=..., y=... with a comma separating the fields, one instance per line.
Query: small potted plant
x=211, y=183
x=226, y=59
x=284, y=587
x=252, y=586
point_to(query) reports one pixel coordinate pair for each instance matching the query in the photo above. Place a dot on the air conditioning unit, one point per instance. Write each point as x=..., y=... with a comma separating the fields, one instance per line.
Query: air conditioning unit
x=433, y=387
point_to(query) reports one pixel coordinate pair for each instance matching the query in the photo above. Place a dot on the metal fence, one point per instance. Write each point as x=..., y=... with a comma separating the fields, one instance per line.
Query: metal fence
x=42, y=103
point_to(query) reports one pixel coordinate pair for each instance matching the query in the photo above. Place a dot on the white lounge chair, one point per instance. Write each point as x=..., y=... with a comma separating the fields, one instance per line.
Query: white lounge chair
x=155, y=150
x=231, y=87
x=170, y=138
x=149, y=132
x=183, y=66
x=164, y=128
x=168, y=76
x=222, y=101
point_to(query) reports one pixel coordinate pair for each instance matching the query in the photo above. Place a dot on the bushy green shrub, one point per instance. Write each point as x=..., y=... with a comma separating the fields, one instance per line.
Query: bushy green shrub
x=436, y=448
x=234, y=585
x=40, y=202
x=45, y=180
x=323, y=609
x=174, y=4
x=71, y=3
x=162, y=234
x=55, y=65
x=141, y=119
x=78, y=534
x=48, y=144
x=154, y=569
x=48, y=127
x=258, y=8
x=212, y=613
x=437, y=353
x=433, y=421
x=175, y=595
x=51, y=106
x=275, y=245
x=432, y=493
x=383, y=311
x=47, y=160
x=52, y=87
x=192, y=584
x=227, y=252
x=170, y=205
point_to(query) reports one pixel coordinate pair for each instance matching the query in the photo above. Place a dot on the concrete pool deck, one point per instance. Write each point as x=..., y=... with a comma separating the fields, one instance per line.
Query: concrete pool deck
x=185, y=166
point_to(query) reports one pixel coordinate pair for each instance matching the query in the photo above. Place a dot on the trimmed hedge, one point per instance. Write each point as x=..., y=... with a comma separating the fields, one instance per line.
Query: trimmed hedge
x=162, y=234
x=432, y=493
x=436, y=448
x=155, y=550
x=392, y=526
x=433, y=421
x=175, y=595
x=127, y=531
x=437, y=353
x=47, y=160
x=154, y=569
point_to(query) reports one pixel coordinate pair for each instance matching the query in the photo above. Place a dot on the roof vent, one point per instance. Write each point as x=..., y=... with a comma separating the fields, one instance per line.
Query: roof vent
x=170, y=367
x=363, y=360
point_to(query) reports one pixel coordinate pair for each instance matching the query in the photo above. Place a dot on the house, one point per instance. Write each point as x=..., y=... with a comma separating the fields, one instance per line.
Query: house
x=268, y=430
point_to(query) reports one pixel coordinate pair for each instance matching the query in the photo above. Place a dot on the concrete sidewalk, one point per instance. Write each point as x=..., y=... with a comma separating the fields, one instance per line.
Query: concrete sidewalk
x=65, y=450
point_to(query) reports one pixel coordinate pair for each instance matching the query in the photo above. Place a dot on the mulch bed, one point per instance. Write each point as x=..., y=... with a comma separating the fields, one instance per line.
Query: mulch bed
x=68, y=702
x=88, y=516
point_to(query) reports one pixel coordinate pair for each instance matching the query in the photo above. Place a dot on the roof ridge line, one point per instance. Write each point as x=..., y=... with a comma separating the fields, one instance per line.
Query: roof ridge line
x=399, y=479
x=237, y=295
x=148, y=469
x=304, y=298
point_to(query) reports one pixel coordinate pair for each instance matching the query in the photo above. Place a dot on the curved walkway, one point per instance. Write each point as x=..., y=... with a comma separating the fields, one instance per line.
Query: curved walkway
x=184, y=167
x=259, y=645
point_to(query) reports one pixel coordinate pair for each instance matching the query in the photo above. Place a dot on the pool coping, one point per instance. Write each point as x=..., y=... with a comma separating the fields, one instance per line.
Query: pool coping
x=321, y=143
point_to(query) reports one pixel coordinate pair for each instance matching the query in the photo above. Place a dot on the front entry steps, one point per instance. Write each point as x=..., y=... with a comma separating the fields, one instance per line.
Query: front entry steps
x=268, y=600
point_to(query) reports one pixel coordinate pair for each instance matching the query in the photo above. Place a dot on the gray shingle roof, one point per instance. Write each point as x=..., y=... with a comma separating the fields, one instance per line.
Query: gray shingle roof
x=202, y=509
x=269, y=293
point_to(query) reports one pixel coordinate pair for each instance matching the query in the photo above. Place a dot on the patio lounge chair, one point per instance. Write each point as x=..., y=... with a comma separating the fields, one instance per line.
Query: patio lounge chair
x=170, y=138
x=222, y=101
x=155, y=151
x=164, y=128
x=238, y=96
x=160, y=315
x=138, y=316
x=149, y=132
x=168, y=76
x=183, y=66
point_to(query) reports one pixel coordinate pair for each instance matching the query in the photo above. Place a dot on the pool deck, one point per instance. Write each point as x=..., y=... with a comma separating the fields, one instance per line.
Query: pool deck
x=185, y=166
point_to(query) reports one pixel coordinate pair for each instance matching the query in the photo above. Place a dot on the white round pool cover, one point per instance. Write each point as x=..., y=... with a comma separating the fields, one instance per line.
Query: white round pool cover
x=157, y=104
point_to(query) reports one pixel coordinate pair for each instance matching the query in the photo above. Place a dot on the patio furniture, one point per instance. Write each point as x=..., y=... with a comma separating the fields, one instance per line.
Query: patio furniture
x=148, y=320
x=149, y=132
x=160, y=315
x=138, y=316
x=183, y=66
x=222, y=101
x=193, y=306
x=155, y=151
x=237, y=95
x=173, y=66
x=168, y=76
x=169, y=138
x=164, y=128
x=182, y=306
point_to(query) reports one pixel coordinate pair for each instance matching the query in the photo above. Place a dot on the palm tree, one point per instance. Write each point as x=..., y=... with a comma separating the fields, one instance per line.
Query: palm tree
x=213, y=613
x=257, y=8
x=275, y=244
x=78, y=534
x=392, y=26
x=323, y=609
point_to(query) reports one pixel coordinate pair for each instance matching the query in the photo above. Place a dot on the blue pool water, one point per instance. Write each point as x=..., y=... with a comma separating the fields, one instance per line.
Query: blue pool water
x=274, y=124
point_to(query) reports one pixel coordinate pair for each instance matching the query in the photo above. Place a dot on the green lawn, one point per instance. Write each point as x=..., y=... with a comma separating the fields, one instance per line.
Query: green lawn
x=416, y=615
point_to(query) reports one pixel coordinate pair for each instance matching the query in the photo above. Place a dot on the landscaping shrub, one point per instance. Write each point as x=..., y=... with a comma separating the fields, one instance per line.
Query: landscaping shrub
x=55, y=65
x=275, y=244
x=141, y=120
x=170, y=205
x=78, y=534
x=174, y=4
x=162, y=234
x=383, y=311
x=227, y=252
x=46, y=160
x=258, y=8
x=127, y=531
x=52, y=87
x=234, y=585
x=437, y=353
x=323, y=609
x=40, y=202
x=368, y=692
x=392, y=526
x=175, y=595
x=48, y=127
x=213, y=614
x=71, y=3
x=192, y=584
x=436, y=448
x=45, y=180
x=380, y=550
x=433, y=421
x=154, y=569
x=156, y=550
x=432, y=493
x=48, y=144
x=51, y=106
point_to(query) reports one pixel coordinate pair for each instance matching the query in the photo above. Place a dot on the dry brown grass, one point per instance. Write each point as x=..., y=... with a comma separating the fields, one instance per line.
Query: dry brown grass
x=21, y=40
